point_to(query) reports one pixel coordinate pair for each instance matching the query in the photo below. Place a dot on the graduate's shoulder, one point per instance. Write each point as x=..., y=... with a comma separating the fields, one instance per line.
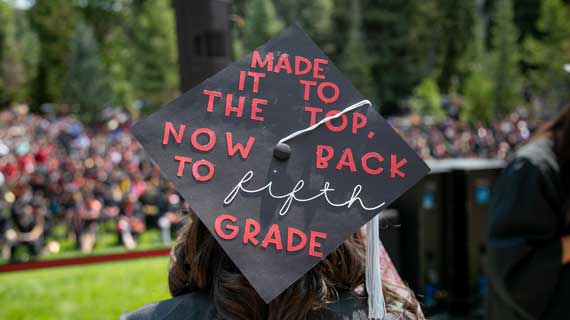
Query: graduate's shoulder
x=191, y=306
x=539, y=153
x=350, y=306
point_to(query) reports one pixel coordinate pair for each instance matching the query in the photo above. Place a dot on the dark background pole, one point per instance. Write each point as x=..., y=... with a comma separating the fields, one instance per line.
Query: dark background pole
x=204, y=39
x=457, y=239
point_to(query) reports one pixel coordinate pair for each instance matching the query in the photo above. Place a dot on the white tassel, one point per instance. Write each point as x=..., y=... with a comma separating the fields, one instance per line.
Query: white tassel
x=376, y=303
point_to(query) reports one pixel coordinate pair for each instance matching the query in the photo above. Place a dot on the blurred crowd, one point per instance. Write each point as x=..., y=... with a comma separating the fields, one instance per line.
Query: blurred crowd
x=454, y=138
x=54, y=171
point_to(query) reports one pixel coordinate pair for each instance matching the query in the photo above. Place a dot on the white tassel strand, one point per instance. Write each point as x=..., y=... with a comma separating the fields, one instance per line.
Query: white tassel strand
x=376, y=303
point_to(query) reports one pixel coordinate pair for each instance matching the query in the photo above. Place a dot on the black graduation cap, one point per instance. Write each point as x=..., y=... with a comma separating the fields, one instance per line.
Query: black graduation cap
x=278, y=209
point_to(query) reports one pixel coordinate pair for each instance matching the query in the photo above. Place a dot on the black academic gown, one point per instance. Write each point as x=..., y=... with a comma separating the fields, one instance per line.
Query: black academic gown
x=527, y=219
x=197, y=306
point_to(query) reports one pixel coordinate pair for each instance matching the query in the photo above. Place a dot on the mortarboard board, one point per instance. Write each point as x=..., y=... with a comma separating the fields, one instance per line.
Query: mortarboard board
x=278, y=184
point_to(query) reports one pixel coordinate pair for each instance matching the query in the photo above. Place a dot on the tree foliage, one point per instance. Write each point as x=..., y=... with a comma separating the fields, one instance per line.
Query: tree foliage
x=150, y=39
x=54, y=22
x=401, y=34
x=261, y=23
x=548, y=55
x=393, y=50
x=478, y=87
x=458, y=19
x=19, y=55
x=527, y=13
x=136, y=46
x=426, y=100
x=85, y=80
x=355, y=60
x=506, y=59
x=478, y=97
x=315, y=17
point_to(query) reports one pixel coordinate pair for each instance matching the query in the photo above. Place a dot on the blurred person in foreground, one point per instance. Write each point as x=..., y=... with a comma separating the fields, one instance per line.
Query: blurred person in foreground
x=205, y=284
x=28, y=221
x=529, y=231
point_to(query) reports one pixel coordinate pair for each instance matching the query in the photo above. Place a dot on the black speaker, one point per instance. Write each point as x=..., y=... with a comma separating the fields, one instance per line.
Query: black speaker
x=443, y=234
x=422, y=231
x=469, y=192
x=204, y=39
x=390, y=235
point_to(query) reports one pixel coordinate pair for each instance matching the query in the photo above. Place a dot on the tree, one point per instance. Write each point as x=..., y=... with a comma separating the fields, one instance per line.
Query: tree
x=478, y=87
x=287, y=10
x=19, y=54
x=478, y=97
x=136, y=41
x=315, y=17
x=85, y=81
x=150, y=33
x=426, y=100
x=261, y=23
x=237, y=28
x=458, y=19
x=117, y=56
x=341, y=26
x=402, y=34
x=527, y=13
x=137, y=47
x=104, y=16
x=506, y=59
x=355, y=59
x=548, y=55
x=108, y=19
x=54, y=21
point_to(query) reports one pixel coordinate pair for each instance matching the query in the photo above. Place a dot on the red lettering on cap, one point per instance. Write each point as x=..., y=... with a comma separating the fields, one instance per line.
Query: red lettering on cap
x=283, y=63
x=358, y=122
x=218, y=227
x=248, y=234
x=255, y=110
x=238, y=147
x=302, y=60
x=343, y=121
x=227, y=227
x=211, y=139
x=256, y=76
x=322, y=161
x=313, y=112
x=321, y=94
x=241, y=83
x=267, y=62
x=273, y=237
x=291, y=233
x=317, y=68
x=395, y=166
x=211, y=96
x=346, y=160
x=197, y=175
x=365, y=166
x=169, y=130
x=307, y=91
x=238, y=110
x=182, y=161
x=313, y=244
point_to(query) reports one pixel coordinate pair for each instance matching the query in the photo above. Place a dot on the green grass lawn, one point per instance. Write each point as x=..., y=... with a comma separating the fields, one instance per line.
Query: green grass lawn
x=96, y=291
x=106, y=243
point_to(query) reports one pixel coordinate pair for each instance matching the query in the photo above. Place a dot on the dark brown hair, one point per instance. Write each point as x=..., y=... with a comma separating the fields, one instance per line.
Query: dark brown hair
x=198, y=263
x=559, y=129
